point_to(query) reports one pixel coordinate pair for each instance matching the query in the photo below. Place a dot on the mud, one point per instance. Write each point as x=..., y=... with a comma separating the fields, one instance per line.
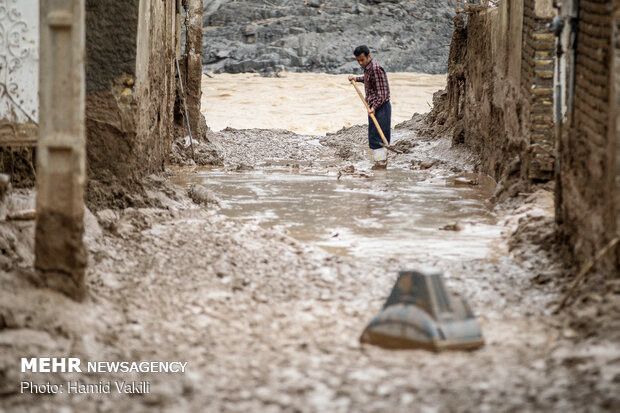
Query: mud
x=270, y=323
x=19, y=164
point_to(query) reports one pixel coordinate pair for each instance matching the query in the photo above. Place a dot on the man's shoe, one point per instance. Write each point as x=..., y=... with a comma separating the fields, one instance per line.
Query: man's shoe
x=379, y=165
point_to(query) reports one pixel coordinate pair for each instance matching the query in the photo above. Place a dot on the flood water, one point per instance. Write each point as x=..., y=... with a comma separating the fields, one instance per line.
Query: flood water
x=396, y=213
x=306, y=103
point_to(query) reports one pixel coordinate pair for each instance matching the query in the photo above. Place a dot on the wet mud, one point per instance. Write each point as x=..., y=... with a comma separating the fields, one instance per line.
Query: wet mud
x=268, y=315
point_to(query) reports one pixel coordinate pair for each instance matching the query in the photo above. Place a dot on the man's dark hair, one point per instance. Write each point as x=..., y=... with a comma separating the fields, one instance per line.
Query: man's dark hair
x=361, y=49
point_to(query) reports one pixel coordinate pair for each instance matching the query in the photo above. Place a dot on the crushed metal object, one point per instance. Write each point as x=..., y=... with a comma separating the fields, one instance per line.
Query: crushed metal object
x=421, y=313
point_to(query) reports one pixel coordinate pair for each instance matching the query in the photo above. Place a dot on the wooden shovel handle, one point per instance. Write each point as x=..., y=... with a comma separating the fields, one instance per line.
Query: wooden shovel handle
x=372, y=115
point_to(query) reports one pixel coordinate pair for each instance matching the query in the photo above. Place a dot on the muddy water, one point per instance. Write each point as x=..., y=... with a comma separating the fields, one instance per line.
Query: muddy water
x=396, y=213
x=308, y=103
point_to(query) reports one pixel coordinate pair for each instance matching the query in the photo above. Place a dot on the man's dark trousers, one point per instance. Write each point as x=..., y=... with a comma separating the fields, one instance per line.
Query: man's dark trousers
x=384, y=116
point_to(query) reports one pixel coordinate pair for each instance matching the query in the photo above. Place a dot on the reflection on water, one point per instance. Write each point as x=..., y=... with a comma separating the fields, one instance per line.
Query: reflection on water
x=395, y=213
x=306, y=103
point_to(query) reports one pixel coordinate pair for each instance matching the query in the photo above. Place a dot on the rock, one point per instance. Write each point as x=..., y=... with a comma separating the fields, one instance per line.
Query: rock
x=92, y=230
x=452, y=227
x=156, y=179
x=108, y=218
x=243, y=167
x=245, y=36
x=544, y=277
x=405, y=146
x=465, y=181
x=203, y=196
x=423, y=165
x=5, y=186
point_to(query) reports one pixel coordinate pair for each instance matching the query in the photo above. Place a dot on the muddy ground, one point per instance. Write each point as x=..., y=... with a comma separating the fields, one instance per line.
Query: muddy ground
x=270, y=324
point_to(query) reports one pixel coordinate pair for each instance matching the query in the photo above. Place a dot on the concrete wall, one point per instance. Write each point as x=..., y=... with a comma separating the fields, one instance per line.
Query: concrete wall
x=588, y=148
x=130, y=91
x=61, y=162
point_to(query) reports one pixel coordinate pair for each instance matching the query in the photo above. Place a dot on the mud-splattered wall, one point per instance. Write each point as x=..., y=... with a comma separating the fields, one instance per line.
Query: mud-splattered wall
x=482, y=115
x=130, y=92
x=501, y=100
x=155, y=82
x=193, y=59
x=588, y=146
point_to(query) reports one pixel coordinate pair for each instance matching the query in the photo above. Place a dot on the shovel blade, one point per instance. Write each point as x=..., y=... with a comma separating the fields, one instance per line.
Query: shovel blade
x=421, y=313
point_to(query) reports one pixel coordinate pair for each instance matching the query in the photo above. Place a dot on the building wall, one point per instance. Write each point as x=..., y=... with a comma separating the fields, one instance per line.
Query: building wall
x=130, y=89
x=491, y=121
x=537, y=85
x=499, y=89
x=19, y=88
x=588, y=147
x=19, y=71
x=616, y=74
x=193, y=57
x=155, y=81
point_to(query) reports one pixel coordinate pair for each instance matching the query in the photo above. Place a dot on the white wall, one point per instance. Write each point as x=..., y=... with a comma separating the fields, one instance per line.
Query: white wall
x=19, y=61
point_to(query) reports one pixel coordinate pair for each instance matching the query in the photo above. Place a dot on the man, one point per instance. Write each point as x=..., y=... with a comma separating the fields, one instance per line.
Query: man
x=378, y=99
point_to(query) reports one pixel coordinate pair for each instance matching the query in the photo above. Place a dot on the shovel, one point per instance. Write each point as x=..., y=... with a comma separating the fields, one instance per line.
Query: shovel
x=385, y=143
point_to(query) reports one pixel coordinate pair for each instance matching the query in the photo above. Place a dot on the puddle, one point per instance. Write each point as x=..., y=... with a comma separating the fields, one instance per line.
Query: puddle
x=396, y=213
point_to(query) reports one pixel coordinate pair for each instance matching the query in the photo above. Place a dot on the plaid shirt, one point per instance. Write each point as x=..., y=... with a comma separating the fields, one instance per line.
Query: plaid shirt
x=376, y=84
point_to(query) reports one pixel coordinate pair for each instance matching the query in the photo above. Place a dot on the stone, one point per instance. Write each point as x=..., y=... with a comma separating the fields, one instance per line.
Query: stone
x=324, y=33
x=203, y=196
x=5, y=186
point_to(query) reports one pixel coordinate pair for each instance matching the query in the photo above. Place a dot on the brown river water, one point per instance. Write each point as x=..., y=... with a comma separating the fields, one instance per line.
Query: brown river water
x=306, y=103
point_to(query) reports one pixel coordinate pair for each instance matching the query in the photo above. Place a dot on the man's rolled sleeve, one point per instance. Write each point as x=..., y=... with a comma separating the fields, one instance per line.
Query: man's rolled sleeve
x=359, y=79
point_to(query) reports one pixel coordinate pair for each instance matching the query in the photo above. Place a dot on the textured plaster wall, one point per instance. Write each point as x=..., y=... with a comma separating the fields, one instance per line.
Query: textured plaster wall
x=484, y=91
x=111, y=28
x=130, y=91
x=500, y=84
